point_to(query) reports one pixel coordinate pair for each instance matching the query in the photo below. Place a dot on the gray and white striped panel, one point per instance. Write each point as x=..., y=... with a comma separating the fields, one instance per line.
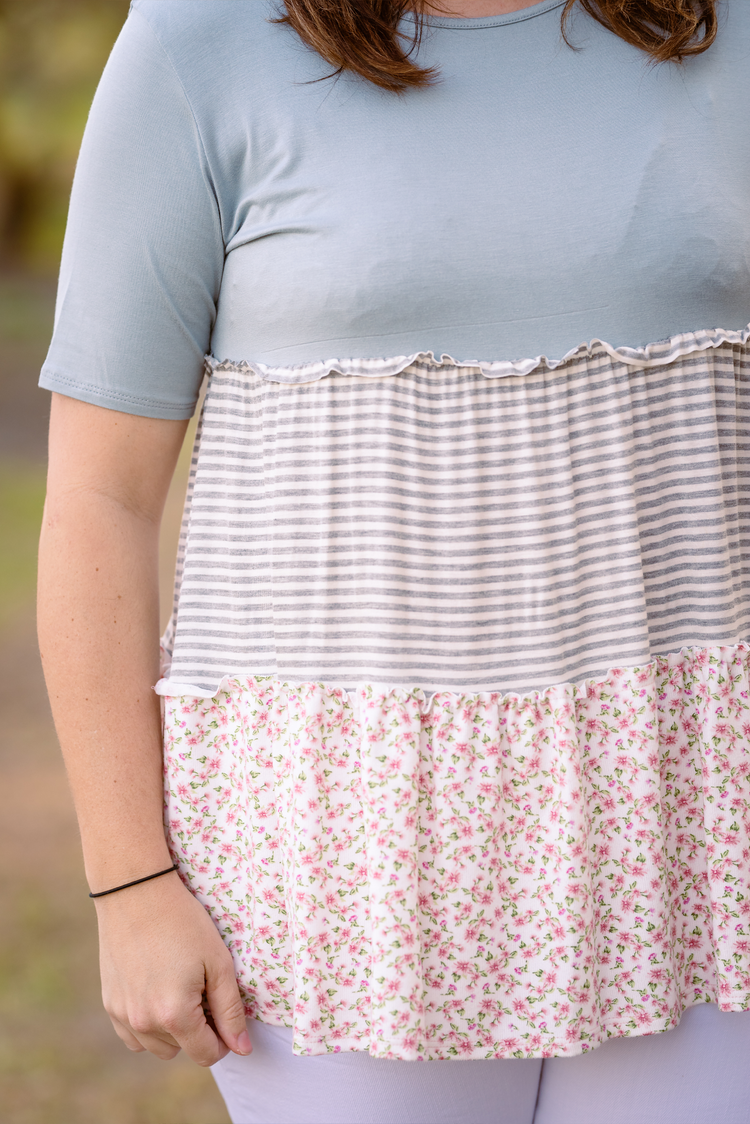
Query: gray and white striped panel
x=443, y=529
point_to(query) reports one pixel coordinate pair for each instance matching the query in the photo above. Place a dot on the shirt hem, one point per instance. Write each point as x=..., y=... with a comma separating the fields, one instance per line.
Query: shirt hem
x=554, y=1049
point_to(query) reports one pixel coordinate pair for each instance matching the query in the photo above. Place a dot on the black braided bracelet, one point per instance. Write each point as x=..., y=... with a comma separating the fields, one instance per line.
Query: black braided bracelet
x=135, y=882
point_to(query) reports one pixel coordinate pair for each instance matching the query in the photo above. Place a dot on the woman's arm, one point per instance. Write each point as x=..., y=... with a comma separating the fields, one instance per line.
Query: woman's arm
x=98, y=630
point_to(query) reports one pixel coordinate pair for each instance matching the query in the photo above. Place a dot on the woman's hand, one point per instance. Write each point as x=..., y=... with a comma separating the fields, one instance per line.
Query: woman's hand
x=160, y=955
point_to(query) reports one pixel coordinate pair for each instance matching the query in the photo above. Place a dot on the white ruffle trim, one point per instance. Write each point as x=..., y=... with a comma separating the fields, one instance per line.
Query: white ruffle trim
x=657, y=354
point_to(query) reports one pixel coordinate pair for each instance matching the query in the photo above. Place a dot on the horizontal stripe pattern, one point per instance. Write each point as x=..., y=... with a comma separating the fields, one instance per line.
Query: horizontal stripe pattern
x=440, y=529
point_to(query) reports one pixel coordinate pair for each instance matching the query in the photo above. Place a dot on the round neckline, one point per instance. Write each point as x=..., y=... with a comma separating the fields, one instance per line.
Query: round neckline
x=476, y=23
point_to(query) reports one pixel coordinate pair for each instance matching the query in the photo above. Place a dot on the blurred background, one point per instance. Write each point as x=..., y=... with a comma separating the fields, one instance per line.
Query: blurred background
x=60, y=1061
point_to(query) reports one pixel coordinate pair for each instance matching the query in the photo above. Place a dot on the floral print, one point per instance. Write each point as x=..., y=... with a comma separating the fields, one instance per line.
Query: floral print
x=473, y=876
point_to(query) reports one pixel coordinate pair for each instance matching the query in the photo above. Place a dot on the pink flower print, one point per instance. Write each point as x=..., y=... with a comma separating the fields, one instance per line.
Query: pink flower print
x=370, y=811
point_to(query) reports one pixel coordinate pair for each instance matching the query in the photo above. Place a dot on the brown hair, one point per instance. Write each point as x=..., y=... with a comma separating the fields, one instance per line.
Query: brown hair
x=362, y=35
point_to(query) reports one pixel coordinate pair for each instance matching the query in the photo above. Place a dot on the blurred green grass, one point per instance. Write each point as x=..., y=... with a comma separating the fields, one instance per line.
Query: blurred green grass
x=25, y=327
x=22, y=487
x=51, y=55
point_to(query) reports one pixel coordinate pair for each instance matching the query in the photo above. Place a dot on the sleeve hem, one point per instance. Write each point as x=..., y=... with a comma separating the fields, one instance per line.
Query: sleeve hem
x=115, y=400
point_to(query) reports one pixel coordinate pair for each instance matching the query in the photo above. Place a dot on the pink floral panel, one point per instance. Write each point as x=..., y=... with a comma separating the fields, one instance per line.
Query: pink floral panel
x=473, y=876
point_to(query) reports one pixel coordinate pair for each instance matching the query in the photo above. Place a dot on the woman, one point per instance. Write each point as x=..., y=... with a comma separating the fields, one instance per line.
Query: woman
x=455, y=692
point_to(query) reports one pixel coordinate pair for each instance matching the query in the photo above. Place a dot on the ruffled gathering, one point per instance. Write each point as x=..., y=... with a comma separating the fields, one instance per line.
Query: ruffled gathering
x=657, y=354
x=474, y=876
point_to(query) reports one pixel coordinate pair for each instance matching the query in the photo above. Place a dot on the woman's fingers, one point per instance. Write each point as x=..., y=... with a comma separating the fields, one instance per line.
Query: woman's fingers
x=143, y=1033
x=127, y=1036
x=226, y=1006
x=165, y=1032
x=160, y=1045
x=187, y=1026
x=203, y=1046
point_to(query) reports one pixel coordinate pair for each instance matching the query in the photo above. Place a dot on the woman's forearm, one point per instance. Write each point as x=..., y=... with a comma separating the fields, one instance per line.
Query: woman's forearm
x=98, y=630
x=98, y=627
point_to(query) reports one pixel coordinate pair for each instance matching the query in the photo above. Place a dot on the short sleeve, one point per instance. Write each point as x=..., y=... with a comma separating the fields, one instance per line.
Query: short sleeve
x=143, y=253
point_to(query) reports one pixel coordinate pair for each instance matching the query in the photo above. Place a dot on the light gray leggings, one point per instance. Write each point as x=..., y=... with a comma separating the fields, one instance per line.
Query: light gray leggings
x=696, y=1074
